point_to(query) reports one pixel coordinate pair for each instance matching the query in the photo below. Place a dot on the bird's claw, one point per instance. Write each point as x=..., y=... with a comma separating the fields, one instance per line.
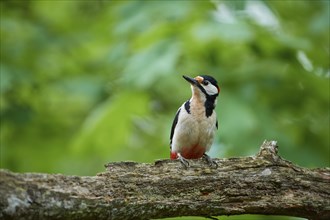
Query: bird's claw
x=183, y=161
x=210, y=161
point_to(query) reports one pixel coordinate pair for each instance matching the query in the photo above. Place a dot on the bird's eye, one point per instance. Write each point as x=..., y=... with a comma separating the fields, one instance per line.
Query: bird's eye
x=205, y=82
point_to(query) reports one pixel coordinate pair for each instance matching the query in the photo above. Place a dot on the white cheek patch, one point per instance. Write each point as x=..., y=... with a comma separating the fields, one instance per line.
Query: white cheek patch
x=211, y=89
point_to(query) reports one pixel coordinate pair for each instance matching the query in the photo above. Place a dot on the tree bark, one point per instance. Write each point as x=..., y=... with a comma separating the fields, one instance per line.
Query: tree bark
x=262, y=184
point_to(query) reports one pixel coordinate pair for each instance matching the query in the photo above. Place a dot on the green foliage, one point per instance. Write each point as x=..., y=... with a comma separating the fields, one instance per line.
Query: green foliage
x=84, y=83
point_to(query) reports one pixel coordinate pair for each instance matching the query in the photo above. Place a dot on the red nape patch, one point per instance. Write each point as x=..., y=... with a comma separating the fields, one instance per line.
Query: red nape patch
x=174, y=155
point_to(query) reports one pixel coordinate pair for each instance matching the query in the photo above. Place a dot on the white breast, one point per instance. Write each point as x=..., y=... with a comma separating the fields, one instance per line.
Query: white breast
x=194, y=129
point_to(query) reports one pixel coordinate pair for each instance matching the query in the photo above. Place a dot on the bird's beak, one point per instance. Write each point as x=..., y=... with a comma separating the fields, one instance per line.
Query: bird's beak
x=190, y=80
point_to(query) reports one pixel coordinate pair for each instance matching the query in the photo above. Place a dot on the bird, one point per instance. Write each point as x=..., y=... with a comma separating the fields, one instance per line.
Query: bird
x=195, y=123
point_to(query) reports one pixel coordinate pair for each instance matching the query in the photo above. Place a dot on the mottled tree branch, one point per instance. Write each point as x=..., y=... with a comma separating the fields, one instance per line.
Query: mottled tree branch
x=261, y=184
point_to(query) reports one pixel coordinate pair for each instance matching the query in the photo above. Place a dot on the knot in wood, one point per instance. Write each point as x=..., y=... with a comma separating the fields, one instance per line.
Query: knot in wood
x=268, y=151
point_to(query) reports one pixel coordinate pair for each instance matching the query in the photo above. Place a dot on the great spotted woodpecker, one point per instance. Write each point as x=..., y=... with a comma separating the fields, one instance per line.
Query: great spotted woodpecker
x=195, y=123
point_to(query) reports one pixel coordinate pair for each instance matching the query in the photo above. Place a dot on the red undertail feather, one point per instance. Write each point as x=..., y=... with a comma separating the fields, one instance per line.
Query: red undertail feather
x=174, y=155
x=194, y=152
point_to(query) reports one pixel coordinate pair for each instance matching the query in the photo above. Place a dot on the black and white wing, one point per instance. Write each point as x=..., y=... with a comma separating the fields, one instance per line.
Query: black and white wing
x=174, y=125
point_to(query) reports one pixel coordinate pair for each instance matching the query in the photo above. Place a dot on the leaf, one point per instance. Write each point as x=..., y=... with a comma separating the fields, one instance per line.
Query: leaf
x=108, y=127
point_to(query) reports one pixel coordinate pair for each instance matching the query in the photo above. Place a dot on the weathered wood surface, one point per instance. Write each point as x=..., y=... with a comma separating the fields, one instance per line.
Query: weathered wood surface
x=261, y=184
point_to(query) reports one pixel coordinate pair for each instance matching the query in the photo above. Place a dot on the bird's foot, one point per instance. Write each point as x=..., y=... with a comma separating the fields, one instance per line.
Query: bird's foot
x=210, y=161
x=183, y=161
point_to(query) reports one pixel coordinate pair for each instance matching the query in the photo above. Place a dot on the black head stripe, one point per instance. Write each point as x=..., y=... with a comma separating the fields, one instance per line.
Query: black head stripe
x=210, y=99
x=210, y=79
x=202, y=89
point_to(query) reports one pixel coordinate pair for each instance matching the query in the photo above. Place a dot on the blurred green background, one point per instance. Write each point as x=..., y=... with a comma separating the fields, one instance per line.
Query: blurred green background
x=84, y=83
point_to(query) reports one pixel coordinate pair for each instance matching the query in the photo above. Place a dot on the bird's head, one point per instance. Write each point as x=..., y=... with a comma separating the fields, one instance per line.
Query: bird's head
x=204, y=85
